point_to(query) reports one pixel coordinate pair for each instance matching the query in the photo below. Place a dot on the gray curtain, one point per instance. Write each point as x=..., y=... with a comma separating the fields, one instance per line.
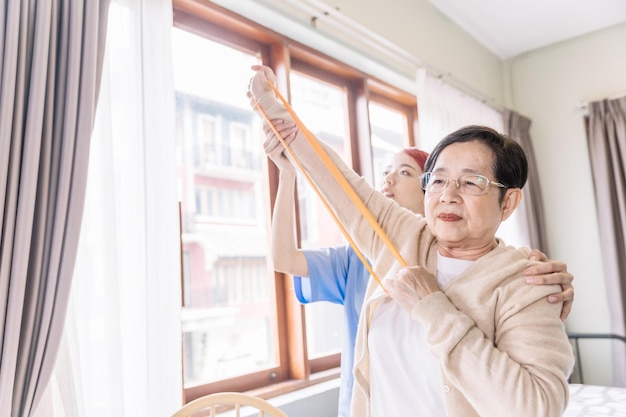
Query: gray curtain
x=607, y=151
x=51, y=55
x=518, y=128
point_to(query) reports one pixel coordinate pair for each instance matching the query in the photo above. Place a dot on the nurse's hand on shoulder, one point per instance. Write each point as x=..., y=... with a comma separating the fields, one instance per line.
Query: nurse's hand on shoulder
x=550, y=272
x=411, y=285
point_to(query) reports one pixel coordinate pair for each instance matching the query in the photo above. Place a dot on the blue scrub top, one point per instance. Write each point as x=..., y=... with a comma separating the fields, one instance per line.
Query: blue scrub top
x=337, y=275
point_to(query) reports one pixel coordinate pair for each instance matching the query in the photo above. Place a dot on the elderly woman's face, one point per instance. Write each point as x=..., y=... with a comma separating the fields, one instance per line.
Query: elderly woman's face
x=464, y=223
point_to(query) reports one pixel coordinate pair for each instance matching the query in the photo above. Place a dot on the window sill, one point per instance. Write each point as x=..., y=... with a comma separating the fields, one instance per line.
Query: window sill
x=320, y=380
x=317, y=397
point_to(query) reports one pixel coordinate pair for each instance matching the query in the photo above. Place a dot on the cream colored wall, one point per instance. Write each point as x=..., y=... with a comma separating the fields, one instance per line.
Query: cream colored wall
x=413, y=25
x=547, y=85
x=419, y=28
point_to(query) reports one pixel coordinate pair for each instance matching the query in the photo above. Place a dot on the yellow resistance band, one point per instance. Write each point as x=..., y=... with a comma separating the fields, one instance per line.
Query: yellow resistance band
x=339, y=178
x=319, y=194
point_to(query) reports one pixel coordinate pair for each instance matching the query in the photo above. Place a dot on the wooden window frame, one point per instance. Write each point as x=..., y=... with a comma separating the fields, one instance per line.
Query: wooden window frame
x=295, y=370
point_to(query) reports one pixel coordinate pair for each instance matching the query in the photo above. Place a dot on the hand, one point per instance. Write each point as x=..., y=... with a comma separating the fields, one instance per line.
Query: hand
x=410, y=286
x=258, y=84
x=287, y=131
x=552, y=272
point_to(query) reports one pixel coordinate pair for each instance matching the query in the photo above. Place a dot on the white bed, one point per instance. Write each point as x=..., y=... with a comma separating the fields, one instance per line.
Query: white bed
x=596, y=401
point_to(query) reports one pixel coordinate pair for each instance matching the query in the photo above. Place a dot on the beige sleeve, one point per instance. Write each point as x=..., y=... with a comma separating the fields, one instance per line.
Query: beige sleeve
x=519, y=370
x=400, y=225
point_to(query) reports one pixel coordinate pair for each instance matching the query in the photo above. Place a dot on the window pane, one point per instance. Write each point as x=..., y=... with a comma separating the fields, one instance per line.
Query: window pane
x=322, y=108
x=389, y=136
x=228, y=316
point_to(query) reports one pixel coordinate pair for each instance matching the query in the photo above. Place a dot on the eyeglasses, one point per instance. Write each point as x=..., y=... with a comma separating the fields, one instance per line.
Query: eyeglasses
x=466, y=184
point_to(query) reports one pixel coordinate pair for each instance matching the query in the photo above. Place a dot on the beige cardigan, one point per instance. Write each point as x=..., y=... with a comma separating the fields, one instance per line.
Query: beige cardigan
x=502, y=347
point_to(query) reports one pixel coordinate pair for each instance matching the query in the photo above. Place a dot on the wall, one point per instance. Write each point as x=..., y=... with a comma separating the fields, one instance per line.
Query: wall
x=413, y=26
x=420, y=29
x=547, y=85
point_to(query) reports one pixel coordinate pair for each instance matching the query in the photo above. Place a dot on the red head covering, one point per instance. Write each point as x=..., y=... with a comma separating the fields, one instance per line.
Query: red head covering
x=417, y=154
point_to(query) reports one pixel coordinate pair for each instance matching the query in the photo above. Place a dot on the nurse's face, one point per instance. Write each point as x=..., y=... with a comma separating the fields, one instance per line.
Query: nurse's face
x=401, y=183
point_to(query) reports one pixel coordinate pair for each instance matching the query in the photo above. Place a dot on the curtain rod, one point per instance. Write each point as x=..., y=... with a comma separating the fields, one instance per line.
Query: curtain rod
x=339, y=21
x=583, y=105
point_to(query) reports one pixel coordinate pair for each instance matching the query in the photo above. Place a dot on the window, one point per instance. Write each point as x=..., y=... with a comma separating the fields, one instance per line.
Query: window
x=228, y=318
x=243, y=328
x=322, y=106
x=207, y=143
x=388, y=136
x=241, y=148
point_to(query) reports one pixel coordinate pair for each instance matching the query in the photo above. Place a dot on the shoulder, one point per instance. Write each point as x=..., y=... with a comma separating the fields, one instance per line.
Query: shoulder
x=505, y=265
x=339, y=252
x=511, y=262
x=339, y=260
x=506, y=255
x=328, y=259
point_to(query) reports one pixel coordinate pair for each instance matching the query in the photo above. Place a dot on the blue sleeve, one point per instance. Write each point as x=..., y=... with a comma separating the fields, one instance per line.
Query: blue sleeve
x=331, y=271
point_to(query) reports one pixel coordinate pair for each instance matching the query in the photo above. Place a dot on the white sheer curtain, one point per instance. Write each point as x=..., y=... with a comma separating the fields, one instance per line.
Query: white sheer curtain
x=442, y=109
x=122, y=352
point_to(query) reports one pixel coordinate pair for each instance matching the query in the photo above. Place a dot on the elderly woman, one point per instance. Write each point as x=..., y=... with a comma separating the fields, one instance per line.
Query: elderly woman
x=459, y=333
